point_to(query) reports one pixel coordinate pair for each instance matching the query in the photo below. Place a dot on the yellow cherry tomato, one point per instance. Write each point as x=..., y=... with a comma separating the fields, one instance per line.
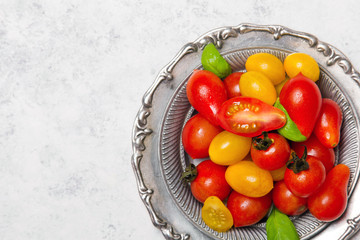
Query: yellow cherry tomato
x=280, y=86
x=216, y=215
x=303, y=63
x=268, y=64
x=227, y=148
x=278, y=174
x=257, y=85
x=247, y=178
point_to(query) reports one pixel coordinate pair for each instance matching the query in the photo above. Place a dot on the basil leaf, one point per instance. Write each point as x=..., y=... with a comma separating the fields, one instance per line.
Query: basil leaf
x=280, y=227
x=214, y=62
x=290, y=130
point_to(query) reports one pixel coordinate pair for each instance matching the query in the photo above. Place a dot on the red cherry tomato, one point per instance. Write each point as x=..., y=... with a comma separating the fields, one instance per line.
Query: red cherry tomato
x=270, y=151
x=209, y=181
x=249, y=117
x=316, y=149
x=248, y=210
x=305, y=182
x=301, y=98
x=197, y=135
x=330, y=202
x=286, y=201
x=327, y=128
x=206, y=92
x=231, y=83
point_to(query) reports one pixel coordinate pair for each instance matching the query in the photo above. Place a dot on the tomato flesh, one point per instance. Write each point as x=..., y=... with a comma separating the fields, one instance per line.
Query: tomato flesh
x=249, y=117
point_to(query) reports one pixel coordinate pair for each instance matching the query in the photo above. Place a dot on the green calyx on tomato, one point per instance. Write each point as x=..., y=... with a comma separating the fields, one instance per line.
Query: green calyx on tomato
x=297, y=164
x=214, y=62
x=289, y=130
x=279, y=226
x=189, y=174
x=262, y=143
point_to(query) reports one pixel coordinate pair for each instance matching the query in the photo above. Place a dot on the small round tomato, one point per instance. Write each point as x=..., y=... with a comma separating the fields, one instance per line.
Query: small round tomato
x=248, y=179
x=305, y=175
x=316, y=149
x=197, y=135
x=216, y=215
x=257, y=85
x=231, y=83
x=267, y=64
x=286, y=201
x=207, y=179
x=302, y=63
x=249, y=117
x=227, y=148
x=270, y=151
x=248, y=210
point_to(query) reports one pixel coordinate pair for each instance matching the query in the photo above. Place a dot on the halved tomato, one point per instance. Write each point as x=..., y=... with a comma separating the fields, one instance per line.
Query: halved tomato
x=249, y=117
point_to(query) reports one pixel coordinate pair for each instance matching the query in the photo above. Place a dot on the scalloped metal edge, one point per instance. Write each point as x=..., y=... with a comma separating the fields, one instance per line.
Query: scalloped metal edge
x=217, y=37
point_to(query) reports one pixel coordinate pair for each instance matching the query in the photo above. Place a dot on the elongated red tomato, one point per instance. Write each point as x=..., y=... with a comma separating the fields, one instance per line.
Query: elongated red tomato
x=301, y=98
x=206, y=92
x=330, y=202
x=327, y=128
x=249, y=117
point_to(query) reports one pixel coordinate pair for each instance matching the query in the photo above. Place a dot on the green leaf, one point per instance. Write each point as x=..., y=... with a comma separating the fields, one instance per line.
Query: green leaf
x=214, y=62
x=280, y=227
x=290, y=130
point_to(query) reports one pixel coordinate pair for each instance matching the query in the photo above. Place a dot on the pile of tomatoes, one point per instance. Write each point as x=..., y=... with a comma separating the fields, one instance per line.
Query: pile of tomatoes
x=265, y=136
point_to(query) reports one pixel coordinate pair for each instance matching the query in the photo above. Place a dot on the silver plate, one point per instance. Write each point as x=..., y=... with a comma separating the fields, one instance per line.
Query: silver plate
x=158, y=157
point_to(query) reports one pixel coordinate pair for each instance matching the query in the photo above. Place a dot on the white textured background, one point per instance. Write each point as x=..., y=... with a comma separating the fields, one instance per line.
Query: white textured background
x=72, y=75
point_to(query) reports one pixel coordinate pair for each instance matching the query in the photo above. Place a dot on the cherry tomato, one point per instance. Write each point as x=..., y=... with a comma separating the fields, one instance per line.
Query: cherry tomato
x=257, y=85
x=216, y=215
x=302, y=63
x=278, y=174
x=301, y=98
x=207, y=179
x=316, y=149
x=231, y=83
x=227, y=148
x=307, y=181
x=206, y=92
x=328, y=125
x=267, y=64
x=270, y=151
x=286, y=201
x=279, y=86
x=330, y=202
x=197, y=135
x=248, y=179
x=248, y=210
x=249, y=117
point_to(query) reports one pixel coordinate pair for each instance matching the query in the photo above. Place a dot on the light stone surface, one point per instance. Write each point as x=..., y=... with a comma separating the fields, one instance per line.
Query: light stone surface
x=72, y=76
